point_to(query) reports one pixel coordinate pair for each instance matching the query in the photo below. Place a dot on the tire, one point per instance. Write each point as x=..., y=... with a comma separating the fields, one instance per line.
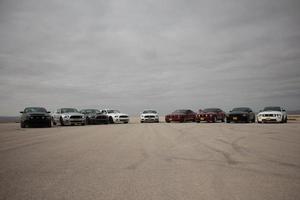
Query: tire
x=54, y=123
x=125, y=122
x=286, y=119
x=228, y=121
x=82, y=124
x=223, y=120
x=22, y=124
x=214, y=120
x=111, y=121
x=49, y=125
x=167, y=121
x=61, y=121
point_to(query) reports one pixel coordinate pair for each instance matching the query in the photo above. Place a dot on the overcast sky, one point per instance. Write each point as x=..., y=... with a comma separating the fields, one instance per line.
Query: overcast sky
x=161, y=54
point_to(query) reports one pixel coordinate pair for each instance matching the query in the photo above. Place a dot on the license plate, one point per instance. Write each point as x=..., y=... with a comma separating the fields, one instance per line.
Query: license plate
x=234, y=118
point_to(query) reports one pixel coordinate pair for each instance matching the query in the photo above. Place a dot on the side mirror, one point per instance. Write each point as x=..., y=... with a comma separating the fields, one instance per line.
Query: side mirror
x=21, y=111
x=48, y=112
x=283, y=110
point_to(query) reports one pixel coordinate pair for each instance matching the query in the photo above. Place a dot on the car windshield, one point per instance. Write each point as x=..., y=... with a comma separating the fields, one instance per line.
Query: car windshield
x=68, y=110
x=113, y=111
x=272, y=108
x=180, y=112
x=211, y=110
x=35, y=109
x=91, y=111
x=149, y=111
x=242, y=109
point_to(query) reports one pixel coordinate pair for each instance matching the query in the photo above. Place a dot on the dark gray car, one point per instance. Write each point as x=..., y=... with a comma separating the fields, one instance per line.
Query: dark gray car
x=35, y=116
x=241, y=114
x=94, y=116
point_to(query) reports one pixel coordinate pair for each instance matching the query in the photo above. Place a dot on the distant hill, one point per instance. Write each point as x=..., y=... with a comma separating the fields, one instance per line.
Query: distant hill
x=293, y=112
x=4, y=119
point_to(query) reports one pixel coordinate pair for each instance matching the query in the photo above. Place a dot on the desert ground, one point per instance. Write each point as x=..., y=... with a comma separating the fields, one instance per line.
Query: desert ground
x=151, y=161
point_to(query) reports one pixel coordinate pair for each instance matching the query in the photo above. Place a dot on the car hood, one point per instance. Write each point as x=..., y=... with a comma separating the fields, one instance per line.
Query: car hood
x=175, y=114
x=207, y=113
x=147, y=114
x=237, y=112
x=118, y=114
x=72, y=113
x=38, y=114
x=270, y=112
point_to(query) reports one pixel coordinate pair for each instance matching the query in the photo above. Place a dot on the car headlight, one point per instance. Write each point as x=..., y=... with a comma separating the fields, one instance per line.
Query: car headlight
x=66, y=116
x=279, y=115
x=116, y=116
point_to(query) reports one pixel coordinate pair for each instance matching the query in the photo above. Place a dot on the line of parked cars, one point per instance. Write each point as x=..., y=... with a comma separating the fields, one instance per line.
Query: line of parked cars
x=39, y=116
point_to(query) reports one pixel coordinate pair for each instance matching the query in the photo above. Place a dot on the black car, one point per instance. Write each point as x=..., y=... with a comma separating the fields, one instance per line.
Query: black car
x=241, y=114
x=94, y=116
x=35, y=116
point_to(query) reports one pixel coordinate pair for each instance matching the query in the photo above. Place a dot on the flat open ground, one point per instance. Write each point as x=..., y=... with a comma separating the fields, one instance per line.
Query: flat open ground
x=151, y=161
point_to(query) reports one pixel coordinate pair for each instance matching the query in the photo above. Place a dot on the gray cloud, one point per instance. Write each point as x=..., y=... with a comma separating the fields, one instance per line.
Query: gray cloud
x=140, y=54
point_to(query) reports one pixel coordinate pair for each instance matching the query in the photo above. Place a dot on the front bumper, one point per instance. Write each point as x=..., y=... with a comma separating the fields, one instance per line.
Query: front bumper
x=149, y=119
x=269, y=119
x=98, y=120
x=205, y=118
x=238, y=118
x=38, y=121
x=121, y=120
x=71, y=121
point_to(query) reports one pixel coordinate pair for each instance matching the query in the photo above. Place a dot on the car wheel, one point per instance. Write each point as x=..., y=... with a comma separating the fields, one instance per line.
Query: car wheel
x=142, y=122
x=22, y=124
x=54, y=123
x=61, y=121
x=49, y=124
x=286, y=120
x=125, y=122
x=167, y=121
x=227, y=120
x=214, y=120
x=111, y=121
x=82, y=124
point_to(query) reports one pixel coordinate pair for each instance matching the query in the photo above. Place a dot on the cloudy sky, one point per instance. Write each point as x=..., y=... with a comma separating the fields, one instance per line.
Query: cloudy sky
x=162, y=54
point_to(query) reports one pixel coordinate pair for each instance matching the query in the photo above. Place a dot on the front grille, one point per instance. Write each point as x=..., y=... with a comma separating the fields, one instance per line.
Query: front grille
x=75, y=117
x=37, y=115
x=268, y=115
x=150, y=116
x=123, y=116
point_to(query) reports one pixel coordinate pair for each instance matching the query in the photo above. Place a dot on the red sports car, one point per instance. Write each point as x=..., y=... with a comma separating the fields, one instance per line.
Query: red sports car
x=211, y=115
x=181, y=116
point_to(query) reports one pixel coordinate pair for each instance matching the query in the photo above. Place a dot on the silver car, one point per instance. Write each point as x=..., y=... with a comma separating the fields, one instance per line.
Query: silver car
x=68, y=116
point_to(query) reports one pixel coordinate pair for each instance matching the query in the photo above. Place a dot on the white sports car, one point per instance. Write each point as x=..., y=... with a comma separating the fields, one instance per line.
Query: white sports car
x=272, y=114
x=149, y=116
x=115, y=116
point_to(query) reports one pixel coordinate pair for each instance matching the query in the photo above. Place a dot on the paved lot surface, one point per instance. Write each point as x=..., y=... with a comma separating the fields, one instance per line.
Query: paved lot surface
x=151, y=161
